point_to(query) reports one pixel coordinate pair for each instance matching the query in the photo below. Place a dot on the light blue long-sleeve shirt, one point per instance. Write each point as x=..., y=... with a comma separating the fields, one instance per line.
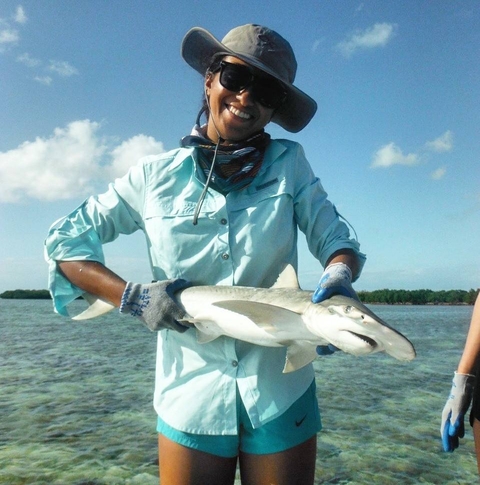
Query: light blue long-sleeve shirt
x=243, y=238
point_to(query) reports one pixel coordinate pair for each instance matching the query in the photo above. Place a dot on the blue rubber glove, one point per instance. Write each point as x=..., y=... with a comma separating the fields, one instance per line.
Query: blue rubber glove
x=154, y=304
x=335, y=280
x=453, y=414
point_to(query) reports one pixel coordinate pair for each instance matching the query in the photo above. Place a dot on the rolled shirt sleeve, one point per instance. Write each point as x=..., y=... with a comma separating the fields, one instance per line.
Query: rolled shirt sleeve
x=80, y=235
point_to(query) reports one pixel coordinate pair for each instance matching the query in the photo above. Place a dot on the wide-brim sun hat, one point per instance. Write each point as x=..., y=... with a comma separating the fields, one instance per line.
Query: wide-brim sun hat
x=264, y=49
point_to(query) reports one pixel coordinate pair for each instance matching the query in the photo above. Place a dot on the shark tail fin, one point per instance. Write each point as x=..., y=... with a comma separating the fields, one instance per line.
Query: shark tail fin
x=96, y=308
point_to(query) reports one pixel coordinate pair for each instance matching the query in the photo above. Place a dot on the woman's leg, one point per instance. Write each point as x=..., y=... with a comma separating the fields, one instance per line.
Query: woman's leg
x=476, y=436
x=295, y=466
x=179, y=465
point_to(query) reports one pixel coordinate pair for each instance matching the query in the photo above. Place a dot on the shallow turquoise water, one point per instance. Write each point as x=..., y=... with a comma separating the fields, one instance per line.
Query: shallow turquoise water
x=75, y=402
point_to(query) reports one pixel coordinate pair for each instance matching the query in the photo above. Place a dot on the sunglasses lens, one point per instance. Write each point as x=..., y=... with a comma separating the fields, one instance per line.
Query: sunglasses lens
x=235, y=77
x=267, y=91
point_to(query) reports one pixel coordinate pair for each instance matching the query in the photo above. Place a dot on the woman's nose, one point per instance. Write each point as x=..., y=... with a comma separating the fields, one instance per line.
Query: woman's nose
x=245, y=96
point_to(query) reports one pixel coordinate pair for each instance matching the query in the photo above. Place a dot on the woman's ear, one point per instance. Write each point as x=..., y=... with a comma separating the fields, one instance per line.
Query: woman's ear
x=208, y=82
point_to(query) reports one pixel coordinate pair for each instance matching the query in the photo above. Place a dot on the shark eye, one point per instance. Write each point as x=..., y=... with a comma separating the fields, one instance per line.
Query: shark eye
x=348, y=309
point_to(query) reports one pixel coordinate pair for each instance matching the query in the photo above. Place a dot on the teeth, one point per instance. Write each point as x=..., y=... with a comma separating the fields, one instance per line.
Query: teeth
x=240, y=114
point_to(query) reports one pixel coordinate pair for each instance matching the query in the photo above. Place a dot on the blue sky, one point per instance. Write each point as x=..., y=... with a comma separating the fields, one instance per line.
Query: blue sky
x=87, y=87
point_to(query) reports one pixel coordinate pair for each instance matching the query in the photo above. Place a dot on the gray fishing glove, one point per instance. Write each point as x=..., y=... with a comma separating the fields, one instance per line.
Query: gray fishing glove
x=154, y=304
x=453, y=414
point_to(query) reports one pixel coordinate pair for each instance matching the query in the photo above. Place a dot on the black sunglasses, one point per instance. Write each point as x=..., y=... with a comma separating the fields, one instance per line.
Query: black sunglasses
x=265, y=89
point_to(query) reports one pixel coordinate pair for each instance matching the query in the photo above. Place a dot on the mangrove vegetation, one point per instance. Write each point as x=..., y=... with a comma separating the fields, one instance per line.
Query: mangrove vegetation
x=387, y=297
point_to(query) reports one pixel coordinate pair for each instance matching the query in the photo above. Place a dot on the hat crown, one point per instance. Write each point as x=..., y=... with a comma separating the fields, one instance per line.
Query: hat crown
x=263, y=46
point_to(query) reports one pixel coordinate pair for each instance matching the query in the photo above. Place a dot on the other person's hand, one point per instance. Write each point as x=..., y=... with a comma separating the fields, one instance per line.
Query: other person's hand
x=453, y=414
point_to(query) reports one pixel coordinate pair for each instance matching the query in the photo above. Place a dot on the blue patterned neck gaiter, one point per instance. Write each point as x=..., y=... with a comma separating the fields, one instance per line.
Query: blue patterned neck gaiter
x=235, y=166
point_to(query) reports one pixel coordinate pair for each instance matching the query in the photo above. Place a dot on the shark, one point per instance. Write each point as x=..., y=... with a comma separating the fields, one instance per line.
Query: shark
x=282, y=316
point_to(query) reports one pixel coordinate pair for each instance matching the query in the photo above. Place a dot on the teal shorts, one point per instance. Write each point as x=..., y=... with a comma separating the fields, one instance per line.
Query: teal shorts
x=296, y=425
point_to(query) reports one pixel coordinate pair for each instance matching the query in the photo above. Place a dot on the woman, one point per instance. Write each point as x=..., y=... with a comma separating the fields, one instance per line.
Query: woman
x=464, y=387
x=222, y=209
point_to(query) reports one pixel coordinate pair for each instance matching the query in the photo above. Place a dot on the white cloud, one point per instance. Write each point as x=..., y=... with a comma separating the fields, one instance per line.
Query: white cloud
x=28, y=60
x=69, y=163
x=443, y=143
x=318, y=44
x=439, y=173
x=62, y=68
x=377, y=36
x=8, y=36
x=20, y=16
x=130, y=151
x=390, y=155
x=45, y=80
x=59, y=167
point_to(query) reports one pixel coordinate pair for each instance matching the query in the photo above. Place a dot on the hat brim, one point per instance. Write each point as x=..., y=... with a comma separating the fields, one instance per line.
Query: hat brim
x=198, y=49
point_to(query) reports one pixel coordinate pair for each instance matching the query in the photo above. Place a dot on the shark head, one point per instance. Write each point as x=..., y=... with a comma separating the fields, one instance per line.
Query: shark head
x=352, y=327
x=356, y=323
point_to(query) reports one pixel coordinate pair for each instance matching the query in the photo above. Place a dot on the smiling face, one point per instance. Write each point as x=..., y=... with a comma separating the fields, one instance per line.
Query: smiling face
x=236, y=115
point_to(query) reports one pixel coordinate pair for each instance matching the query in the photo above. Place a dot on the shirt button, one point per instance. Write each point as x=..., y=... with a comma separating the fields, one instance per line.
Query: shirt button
x=234, y=363
x=223, y=222
x=225, y=256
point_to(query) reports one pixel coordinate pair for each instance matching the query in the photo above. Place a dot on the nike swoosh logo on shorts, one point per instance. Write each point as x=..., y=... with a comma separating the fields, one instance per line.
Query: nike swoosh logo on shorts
x=299, y=423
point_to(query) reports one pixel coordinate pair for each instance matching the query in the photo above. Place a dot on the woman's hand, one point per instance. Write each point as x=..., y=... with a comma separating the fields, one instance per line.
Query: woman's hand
x=154, y=304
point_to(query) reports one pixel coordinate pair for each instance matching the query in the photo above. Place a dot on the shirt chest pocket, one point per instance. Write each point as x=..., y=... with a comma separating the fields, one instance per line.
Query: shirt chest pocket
x=169, y=209
x=260, y=196
x=171, y=235
x=180, y=206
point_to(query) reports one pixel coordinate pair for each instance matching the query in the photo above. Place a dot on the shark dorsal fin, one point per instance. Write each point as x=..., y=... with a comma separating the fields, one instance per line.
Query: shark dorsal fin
x=287, y=278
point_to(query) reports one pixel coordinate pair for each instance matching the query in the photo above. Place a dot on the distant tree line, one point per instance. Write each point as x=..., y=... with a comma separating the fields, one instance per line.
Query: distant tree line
x=25, y=295
x=387, y=297
x=419, y=297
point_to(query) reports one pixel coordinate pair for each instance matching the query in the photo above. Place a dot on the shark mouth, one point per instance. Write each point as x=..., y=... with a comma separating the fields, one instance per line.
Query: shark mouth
x=365, y=339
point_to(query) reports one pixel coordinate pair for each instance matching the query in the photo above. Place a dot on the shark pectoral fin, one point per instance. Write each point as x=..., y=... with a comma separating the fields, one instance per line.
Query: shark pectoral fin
x=269, y=318
x=188, y=321
x=205, y=338
x=205, y=333
x=97, y=307
x=299, y=354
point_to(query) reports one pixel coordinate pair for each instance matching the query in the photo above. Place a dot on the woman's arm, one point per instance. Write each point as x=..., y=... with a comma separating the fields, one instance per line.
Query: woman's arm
x=471, y=351
x=94, y=278
x=452, y=426
x=153, y=303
